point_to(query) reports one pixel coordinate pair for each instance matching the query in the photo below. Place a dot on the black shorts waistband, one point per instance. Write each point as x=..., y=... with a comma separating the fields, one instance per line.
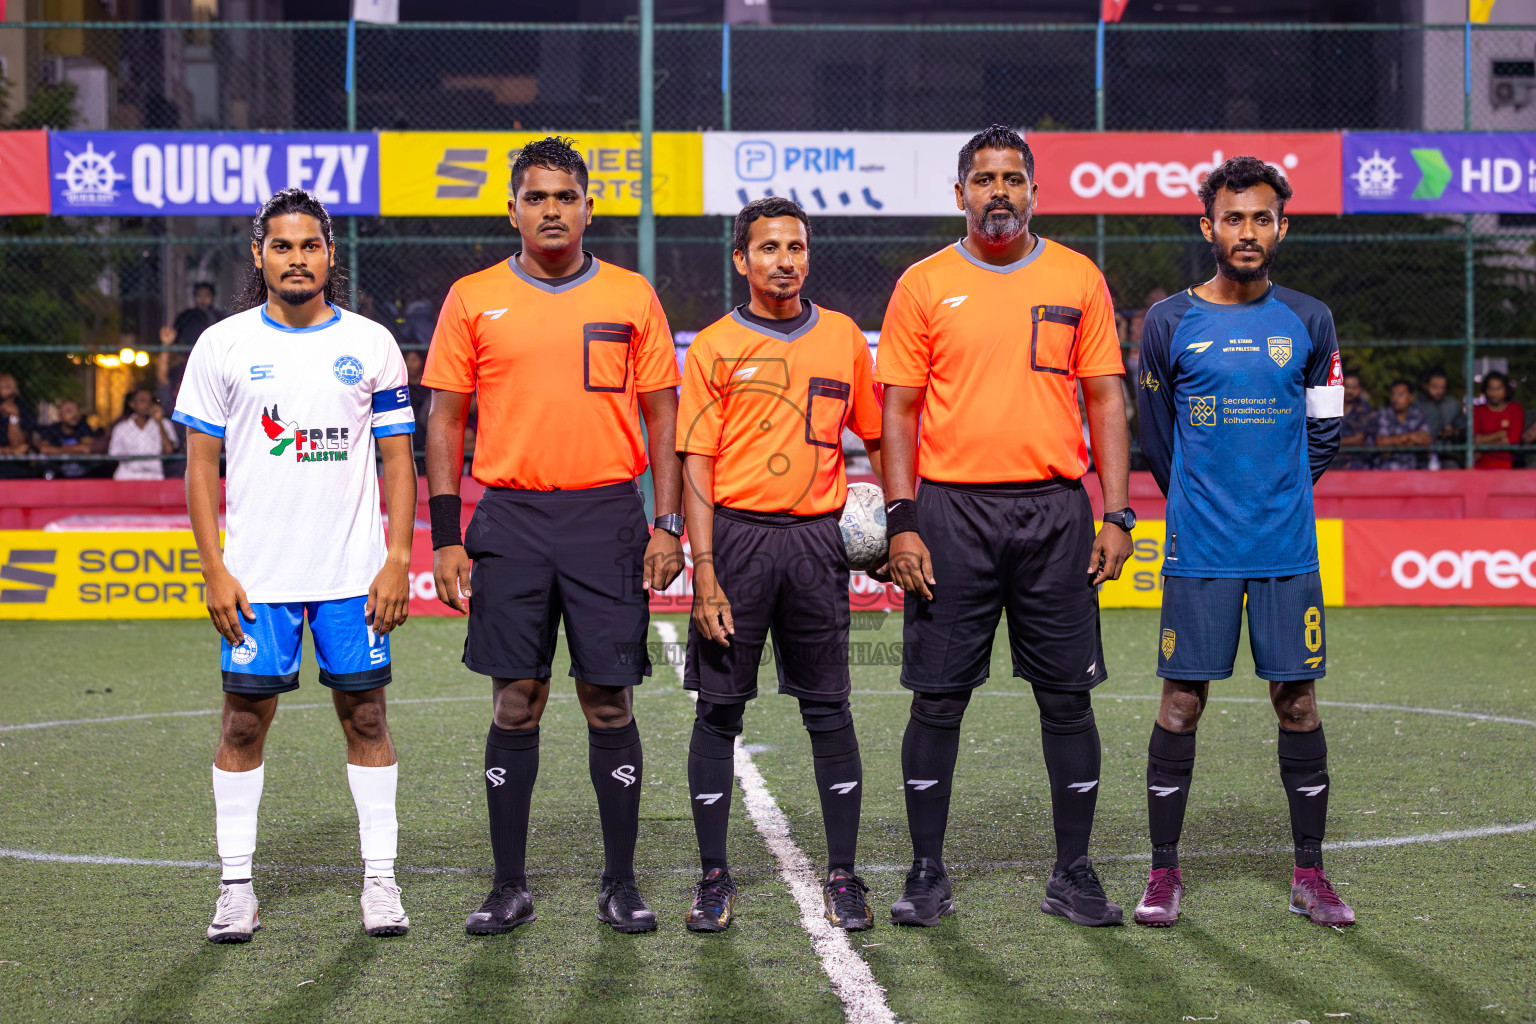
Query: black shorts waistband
x=620, y=489
x=1009, y=488
x=742, y=515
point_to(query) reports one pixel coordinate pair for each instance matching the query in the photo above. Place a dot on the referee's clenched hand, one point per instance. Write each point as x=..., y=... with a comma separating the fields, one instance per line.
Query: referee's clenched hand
x=910, y=564
x=1111, y=549
x=450, y=574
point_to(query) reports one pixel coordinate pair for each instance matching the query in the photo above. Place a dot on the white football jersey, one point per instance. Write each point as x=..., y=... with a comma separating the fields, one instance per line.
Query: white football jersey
x=298, y=409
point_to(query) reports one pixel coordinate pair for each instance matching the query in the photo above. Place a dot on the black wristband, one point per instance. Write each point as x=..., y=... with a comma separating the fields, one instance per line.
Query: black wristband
x=900, y=517
x=445, y=509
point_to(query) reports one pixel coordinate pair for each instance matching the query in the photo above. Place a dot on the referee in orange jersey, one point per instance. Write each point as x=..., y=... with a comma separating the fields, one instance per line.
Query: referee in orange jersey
x=767, y=391
x=987, y=341
x=561, y=349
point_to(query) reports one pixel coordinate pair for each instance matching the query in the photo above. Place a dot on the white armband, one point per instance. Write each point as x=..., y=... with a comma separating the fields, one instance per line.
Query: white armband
x=1325, y=403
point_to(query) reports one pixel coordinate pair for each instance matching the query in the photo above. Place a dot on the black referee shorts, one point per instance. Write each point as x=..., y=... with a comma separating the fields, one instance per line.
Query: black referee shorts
x=1019, y=547
x=785, y=572
x=544, y=556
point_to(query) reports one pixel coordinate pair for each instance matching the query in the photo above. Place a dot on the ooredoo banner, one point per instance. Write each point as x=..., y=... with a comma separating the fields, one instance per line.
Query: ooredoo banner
x=1440, y=562
x=166, y=174
x=1160, y=172
x=23, y=173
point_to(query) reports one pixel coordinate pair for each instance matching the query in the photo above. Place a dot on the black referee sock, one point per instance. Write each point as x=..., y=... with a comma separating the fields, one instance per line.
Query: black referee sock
x=1170, y=768
x=1304, y=773
x=839, y=777
x=928, y=753
x=1069, y=738
x=711, y=774
x=617, y=767
x=511, y=767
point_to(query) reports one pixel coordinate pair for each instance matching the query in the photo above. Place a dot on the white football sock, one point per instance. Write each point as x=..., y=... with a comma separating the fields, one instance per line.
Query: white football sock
x=373, y=791
x=236, y=796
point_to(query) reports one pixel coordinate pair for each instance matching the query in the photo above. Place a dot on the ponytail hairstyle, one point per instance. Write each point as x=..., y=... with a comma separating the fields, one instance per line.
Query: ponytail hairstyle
x=292, y=200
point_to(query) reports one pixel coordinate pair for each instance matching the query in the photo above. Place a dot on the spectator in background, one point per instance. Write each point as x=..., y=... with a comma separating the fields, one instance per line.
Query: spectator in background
x=420, y=323
x=191, y=323
x=17, y=424
x=1497, y=421
x=421, y=403
x=70, y=435
x=143, y=430
x=1359, y=427
x=1442, y=411
x=1401, y=424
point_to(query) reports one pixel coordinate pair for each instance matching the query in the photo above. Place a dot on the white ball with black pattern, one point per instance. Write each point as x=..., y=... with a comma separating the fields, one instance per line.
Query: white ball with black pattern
x=863, y=526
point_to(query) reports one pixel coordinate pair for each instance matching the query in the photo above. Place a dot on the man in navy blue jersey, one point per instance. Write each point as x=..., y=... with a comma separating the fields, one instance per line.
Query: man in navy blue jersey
x=1241, y=395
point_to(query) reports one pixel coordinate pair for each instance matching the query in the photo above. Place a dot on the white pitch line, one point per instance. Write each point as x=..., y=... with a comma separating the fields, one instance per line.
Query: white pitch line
x=862, y=996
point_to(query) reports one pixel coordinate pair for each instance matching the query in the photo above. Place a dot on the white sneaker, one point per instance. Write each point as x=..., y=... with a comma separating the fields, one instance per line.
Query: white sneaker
x=382, y=913
x=234, y=919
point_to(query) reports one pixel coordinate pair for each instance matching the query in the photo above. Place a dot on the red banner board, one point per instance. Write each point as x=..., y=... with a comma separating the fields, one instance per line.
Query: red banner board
x=23, y=173
x=1440, y=562
x=1159, y=172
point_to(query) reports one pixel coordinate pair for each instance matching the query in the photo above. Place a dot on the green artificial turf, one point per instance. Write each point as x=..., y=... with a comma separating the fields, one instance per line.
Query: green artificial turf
x=1444, y=934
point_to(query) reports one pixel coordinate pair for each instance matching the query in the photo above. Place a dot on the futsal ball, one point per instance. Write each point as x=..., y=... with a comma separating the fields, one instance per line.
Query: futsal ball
x=863, y=526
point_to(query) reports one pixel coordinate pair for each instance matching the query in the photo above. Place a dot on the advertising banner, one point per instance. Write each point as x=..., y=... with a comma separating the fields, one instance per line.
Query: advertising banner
x=1440, y=561
x=173, y=174
x=837, y=174
x=1160, y=172
x=23, y=173
x=468, y=174
x=1440, y=173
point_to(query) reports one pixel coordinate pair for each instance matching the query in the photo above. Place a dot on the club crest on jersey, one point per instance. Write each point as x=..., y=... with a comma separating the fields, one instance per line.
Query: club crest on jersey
x=1202, y=410
x=1168, y=638
x=312, y=444
x=1280, y=350
x=348, y=370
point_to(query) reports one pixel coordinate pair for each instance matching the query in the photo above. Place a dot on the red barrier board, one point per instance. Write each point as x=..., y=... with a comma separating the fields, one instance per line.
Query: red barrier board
x=1159, y=172
x=1440, y=562
x=23, y=173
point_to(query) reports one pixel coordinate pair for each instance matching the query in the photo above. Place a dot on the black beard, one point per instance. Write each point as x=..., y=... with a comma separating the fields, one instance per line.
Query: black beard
x=296, y=294
x=1242, y=275
x=998, y=232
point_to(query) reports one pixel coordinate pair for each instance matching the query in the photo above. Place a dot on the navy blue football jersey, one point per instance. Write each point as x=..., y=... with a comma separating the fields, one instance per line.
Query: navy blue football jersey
x=1240, y=408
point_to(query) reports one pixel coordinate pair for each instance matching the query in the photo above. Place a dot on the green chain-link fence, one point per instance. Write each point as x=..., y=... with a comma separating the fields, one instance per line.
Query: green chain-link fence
x=1408, y=293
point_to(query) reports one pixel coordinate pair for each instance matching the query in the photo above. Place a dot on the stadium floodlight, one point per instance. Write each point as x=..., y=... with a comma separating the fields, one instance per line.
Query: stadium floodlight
x=141, y=359
x=126, y=355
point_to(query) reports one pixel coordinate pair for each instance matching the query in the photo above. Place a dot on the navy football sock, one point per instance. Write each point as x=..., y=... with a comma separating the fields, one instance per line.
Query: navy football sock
x=1304, y=773
x=1170, y=768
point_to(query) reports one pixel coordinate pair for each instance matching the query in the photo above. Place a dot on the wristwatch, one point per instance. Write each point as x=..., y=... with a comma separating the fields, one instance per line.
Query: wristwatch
x=1125, y=518
x=672, y=523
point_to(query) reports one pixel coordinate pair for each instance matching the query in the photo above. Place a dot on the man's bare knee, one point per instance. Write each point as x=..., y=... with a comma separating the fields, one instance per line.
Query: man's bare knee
x=367, y=722
x=518, y=703
x=243, y=730
x=606, y=707
x=1297, y=711
x=1181, y=708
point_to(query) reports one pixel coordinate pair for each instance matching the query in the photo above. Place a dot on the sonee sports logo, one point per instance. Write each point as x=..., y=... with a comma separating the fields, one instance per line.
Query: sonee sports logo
x=15, y=570
x=625, y=773
x=496, y=776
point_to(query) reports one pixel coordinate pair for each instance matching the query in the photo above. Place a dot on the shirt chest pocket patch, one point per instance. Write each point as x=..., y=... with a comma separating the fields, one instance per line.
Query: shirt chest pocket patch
x=826, y=407
x=1052, y=337
x=605, y=356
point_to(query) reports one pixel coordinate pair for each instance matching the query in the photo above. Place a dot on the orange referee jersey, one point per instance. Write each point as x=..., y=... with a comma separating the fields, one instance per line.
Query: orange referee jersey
x=1000, y=350
x=557, y=369
x=771, y=409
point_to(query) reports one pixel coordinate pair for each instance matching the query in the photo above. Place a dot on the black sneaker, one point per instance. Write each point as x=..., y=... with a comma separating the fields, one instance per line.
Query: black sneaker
x=714, y=902
x=508, y=905
x=843, y=893
x=1075, y=894
x=926, y=897
x=620, y=907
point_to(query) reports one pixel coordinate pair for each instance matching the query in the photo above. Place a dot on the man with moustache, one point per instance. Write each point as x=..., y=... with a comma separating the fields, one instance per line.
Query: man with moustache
x=1241, y=400
x=987, y=341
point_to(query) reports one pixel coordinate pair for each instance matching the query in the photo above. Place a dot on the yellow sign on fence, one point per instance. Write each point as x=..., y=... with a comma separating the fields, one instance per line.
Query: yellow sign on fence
x=468, y=174
x=150, y=575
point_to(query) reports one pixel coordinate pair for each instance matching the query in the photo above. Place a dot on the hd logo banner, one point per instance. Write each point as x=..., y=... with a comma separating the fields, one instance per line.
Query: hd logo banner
x=165, y=174
x=1489, y=172
x=67, y=575
x=469, y=174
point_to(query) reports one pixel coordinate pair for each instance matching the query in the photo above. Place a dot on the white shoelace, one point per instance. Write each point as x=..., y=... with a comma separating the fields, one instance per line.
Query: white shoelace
x=383, y=900
x=234, y=905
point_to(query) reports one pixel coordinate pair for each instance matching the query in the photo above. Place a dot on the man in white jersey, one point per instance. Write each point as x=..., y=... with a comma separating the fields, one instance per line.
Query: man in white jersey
x=300, y=392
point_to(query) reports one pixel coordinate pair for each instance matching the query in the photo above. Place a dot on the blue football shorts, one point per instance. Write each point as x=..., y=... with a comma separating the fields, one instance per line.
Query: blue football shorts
x=1202, y=619
x=351, y=655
